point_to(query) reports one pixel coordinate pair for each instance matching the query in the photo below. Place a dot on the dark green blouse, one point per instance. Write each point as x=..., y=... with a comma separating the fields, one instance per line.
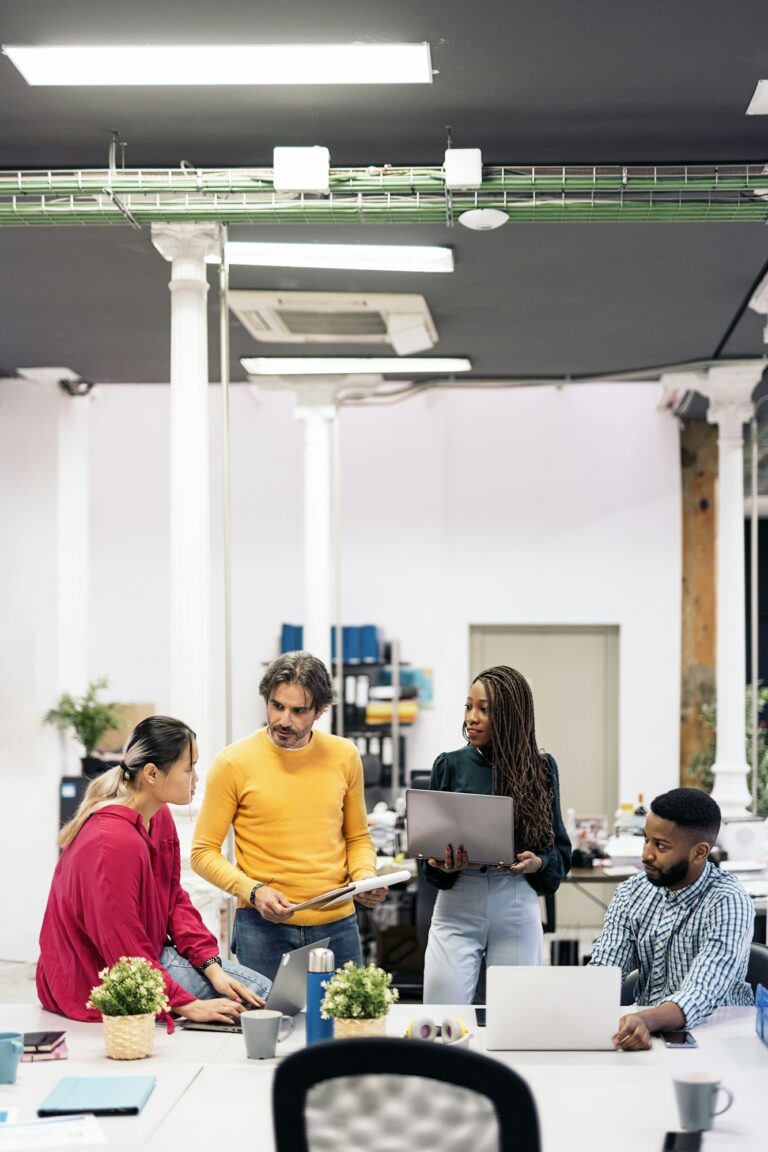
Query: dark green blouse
x=469, y=770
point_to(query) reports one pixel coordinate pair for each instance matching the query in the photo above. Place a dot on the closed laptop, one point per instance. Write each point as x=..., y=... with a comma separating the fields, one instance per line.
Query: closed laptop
x=552, y=1009
x=483, y=825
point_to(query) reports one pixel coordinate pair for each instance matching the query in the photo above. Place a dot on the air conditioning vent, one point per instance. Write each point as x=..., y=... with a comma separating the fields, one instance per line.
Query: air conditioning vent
x=334, y=323
x=401, y=320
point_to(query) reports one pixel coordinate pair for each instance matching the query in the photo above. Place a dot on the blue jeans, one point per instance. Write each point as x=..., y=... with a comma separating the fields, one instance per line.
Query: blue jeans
x=261, y=944
x=485, y=912
x=196, y=983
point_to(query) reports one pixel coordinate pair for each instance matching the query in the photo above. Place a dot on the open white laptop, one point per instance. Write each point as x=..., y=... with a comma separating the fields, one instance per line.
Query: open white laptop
x=556, y=1008
x=288, y=993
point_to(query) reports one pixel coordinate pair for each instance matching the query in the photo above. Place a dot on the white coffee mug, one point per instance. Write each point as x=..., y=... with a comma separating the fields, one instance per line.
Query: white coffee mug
x=696, y=1094
x=262, y=1029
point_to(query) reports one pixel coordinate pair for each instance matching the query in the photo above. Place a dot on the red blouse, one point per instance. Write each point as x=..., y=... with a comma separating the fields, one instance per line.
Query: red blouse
x=116, y=892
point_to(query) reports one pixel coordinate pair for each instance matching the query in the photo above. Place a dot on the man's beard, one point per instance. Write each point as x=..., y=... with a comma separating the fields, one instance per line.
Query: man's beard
x=665, y=878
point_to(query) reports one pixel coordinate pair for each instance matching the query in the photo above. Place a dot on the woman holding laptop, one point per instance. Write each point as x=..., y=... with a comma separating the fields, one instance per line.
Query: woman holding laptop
x=488, y=910
x=116, y=890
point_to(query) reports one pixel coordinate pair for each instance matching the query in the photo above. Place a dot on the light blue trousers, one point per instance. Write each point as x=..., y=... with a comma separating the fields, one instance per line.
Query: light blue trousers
x=197, y=984
x=485, y=912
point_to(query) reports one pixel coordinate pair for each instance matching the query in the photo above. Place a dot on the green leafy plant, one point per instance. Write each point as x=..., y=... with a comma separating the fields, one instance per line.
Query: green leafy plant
x=700, y=769
x=358, y=993
x=88, y=717
x=131, y=987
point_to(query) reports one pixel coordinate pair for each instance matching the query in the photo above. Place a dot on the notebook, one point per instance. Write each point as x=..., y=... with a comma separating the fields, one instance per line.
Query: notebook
x=552, y=1009
x=483, y=825
x=101, y=1095
x=288, y=993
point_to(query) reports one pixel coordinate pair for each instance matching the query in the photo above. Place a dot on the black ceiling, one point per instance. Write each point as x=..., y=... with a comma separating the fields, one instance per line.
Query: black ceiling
x=528, y=82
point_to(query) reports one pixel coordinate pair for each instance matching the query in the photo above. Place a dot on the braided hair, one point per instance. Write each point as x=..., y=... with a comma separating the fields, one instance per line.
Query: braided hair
x=520, y=769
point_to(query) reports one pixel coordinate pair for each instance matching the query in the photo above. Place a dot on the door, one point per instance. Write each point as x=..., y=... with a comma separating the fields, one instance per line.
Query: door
x=573, y=672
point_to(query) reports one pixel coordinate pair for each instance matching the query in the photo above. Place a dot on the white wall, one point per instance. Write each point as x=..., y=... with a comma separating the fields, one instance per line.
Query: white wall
x=524, y=506
x=30, y=754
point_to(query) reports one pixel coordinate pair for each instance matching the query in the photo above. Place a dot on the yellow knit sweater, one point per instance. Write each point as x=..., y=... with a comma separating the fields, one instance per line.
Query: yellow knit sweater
x=299, y=821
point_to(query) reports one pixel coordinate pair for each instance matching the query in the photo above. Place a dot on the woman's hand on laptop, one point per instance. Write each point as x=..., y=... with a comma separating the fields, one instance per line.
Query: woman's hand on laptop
x=453, y=861
x=272, y=904
x=207, y=1011
x=233, y=989
x=527, y=862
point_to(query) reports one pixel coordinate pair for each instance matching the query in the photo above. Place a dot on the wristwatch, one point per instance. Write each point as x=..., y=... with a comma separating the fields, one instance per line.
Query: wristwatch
x=207, y=963
x=252, y=897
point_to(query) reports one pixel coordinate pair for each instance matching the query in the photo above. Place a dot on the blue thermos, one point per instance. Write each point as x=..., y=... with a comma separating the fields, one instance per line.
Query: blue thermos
x=320, y=969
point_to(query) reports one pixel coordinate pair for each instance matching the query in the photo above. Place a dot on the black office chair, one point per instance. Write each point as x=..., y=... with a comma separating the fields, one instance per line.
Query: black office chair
x=368, y=1095
x=628, y=985
x=757, y=973
x=757, y=968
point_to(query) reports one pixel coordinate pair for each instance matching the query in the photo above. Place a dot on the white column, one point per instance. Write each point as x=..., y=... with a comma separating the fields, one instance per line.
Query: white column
x=317, y=410
x=729, y=390
x=186, y=246
x=73, y=576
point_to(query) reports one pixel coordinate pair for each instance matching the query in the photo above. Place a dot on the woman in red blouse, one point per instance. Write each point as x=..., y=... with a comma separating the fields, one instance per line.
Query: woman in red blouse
x=116, y=889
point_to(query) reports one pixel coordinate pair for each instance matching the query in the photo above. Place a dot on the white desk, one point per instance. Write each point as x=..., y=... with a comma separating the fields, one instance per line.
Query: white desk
x=209, y=1095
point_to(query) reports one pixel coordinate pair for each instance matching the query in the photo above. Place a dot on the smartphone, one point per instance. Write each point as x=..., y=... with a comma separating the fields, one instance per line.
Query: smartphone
x=681, y=1038
x=480, y=1017
x=681, y=1142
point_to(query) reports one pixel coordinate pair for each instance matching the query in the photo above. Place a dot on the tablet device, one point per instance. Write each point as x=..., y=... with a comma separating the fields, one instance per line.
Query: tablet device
x=101, y=1095
x=483, y=825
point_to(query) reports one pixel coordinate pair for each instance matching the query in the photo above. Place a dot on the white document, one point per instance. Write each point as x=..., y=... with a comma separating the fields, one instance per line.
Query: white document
x=55, y=1132
x=339, y=895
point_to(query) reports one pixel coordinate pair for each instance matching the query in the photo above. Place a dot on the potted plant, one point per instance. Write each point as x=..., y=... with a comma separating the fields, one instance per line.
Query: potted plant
x=89, y=718
x=358, y=1000
x=130, y=995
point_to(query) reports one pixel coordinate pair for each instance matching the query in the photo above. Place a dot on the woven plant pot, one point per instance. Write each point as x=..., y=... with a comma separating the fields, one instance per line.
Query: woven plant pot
x=129, y=1037
x=349, y=1028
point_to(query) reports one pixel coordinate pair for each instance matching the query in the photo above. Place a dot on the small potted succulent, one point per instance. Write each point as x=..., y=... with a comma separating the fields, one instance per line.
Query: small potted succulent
x=358, y=1000
x=130, y=995
x=90, y=719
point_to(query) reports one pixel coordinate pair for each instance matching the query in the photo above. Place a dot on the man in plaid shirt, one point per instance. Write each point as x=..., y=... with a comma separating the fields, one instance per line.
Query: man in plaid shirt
x=684, y=925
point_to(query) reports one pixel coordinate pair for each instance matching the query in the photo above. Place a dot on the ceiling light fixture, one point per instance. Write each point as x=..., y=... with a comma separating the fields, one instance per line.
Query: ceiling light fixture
x=483, y=219
x=352, y=257
x=353, y=365
x=758, y=105
x=209, y=64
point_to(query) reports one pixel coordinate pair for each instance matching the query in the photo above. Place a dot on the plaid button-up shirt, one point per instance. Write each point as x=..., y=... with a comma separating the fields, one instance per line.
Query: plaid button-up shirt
x=690, y=945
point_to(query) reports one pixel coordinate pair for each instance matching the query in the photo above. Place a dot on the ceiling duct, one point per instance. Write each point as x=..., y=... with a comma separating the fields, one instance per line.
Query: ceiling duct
x=402, y=320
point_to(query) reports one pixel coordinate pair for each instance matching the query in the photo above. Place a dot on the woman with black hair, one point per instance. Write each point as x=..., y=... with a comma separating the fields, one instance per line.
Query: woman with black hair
x=116, y=889
x=494, y=911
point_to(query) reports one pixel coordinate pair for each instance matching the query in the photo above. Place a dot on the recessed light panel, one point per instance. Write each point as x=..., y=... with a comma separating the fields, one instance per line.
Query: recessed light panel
x=355, y=257
x=353, y=365
x=758, y=105
x=131, y=65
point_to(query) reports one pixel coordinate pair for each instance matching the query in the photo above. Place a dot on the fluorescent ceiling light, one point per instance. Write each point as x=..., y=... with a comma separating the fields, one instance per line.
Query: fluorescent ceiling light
x=355, y=257
x=352, y=365
x=202, y=64
x=758, y=105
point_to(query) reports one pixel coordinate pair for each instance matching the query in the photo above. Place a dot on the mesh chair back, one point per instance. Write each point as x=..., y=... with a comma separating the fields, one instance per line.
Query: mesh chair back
x=386, y=1095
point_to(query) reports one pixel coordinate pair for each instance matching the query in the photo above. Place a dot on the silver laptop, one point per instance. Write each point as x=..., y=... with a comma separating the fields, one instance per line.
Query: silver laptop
x=288, y=993
x=483, y=825
x=547, y=1009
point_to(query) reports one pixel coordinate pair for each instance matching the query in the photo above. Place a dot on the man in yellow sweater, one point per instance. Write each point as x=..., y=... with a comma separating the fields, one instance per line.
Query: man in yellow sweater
x=295, y=800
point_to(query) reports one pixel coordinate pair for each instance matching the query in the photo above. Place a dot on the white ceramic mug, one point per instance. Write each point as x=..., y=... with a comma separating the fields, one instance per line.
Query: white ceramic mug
x=696, y=1094
x=262, y=1029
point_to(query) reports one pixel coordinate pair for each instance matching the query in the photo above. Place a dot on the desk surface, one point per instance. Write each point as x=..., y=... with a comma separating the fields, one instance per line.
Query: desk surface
x=209, y=1095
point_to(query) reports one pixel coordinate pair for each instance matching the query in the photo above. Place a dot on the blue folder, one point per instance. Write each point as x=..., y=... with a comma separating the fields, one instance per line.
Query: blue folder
x=101, y=1095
